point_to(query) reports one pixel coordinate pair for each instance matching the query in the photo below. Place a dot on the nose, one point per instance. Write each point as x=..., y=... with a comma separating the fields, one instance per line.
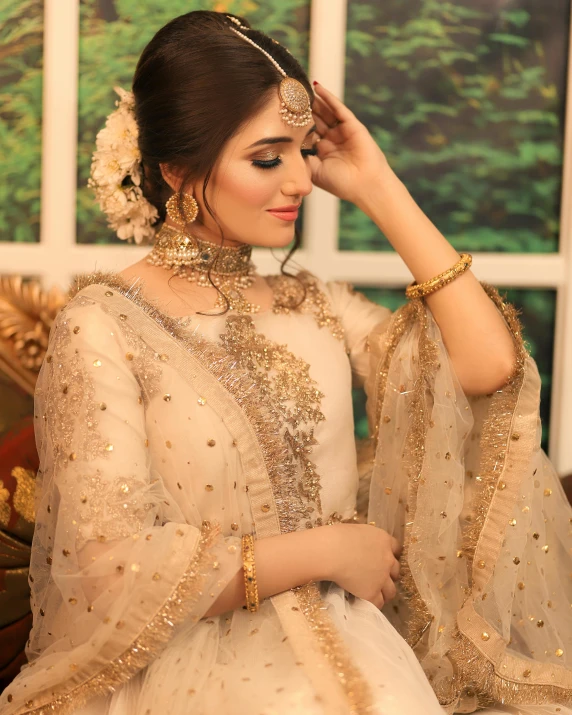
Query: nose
x=299, y=180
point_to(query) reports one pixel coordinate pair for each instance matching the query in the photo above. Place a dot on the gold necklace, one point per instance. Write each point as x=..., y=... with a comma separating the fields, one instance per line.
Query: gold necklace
x=230, y=267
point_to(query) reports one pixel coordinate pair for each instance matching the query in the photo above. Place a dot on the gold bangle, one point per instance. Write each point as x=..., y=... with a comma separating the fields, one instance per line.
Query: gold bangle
x=420, y=290
x=250, y=587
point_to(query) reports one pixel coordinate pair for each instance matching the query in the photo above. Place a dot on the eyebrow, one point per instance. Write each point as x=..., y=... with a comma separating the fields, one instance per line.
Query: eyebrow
x=278, y=140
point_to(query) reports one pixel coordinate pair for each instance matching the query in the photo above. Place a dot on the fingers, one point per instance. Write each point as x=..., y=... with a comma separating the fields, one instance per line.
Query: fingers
x=379, y=601
x=389, y=590
x=396, y=547
x=321, y=125
x=395, y=570
x=337, y=108
x=320, y=109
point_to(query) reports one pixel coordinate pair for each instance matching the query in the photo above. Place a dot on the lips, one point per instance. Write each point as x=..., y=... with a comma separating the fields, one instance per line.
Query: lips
x=286, y=213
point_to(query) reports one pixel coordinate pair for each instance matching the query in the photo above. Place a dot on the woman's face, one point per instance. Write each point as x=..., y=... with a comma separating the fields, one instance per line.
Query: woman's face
x=264, y=167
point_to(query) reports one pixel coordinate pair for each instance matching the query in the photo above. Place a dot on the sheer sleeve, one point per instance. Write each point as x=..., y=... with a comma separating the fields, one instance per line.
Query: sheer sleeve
x=115, y=567
x=359, y=317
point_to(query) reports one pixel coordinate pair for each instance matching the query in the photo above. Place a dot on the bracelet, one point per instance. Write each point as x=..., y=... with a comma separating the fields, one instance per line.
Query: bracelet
x=420, y=290
x=250, y=587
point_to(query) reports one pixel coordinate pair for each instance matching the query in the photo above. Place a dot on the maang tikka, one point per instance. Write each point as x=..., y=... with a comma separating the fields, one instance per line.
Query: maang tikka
x=296, y=109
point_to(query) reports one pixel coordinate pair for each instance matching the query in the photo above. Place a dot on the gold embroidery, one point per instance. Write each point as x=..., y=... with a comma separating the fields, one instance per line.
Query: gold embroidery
x=112, y=510
x=356, y=688
x=145, y=363
x=302, y=294
x=285, y=379
x=263, y=415
x=5, y=510
x=25, y=493
x=152, y=640
x=265, y=419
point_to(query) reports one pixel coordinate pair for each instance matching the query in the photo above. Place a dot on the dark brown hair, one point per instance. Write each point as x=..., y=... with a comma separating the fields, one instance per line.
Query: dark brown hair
x=195, y=84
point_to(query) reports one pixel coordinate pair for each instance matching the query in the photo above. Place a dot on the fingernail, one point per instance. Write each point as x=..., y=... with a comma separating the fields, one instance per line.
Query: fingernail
x=314, y=82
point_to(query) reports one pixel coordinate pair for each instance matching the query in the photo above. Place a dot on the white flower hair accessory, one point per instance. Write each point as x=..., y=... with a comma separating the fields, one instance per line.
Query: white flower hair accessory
x=116, y=159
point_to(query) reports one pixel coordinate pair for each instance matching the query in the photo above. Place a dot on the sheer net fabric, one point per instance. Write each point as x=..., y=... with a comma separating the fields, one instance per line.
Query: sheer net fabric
x=162, y=440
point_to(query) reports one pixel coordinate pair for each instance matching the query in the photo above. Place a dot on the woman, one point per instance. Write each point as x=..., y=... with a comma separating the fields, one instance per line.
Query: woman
x=186, y=403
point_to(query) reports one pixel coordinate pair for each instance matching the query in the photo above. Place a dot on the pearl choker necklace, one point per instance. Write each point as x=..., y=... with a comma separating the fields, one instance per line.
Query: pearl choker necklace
x=230, y=267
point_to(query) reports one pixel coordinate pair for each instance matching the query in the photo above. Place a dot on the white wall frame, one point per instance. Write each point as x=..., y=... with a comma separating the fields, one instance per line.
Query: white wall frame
x=57, y=257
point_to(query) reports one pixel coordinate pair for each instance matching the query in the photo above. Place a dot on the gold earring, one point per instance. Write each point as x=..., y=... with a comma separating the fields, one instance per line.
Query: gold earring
x=190, y=209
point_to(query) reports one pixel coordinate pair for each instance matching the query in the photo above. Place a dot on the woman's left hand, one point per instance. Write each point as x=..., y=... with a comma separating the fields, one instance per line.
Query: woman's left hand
x=348, y=161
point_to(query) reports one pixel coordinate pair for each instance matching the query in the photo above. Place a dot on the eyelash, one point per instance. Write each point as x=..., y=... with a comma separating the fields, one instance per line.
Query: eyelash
x=273, y=163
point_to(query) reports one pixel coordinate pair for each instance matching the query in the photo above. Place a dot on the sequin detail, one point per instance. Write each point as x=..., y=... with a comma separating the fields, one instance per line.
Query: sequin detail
x=152, y=640
x=285, y=380
x=302, y=294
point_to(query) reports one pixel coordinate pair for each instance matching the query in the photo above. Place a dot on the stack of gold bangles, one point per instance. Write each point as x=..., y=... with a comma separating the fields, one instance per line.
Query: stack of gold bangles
x=250, y=586
x=422, y=289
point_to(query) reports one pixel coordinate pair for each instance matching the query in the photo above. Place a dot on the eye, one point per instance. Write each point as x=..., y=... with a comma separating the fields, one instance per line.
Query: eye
x=273, y=163
x=312, y=151
x=267, y=163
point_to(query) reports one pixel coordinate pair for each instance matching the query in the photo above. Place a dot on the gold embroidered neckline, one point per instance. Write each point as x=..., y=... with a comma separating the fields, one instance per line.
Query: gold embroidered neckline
x=300, y=294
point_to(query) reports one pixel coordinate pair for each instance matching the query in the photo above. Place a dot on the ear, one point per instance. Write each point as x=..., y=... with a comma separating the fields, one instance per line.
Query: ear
x=171, y=176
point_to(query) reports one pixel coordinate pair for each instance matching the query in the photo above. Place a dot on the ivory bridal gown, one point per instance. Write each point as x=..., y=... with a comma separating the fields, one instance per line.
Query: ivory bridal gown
x=163, y=439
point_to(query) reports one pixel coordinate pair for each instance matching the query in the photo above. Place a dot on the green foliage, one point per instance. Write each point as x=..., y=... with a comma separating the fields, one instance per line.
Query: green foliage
x=110, y=46
x=21, y=27
x=468, y=109
x=537, y=310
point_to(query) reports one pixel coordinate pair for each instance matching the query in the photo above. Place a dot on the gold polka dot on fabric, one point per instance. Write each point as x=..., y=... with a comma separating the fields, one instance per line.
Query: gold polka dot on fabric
x=102, y=406
x=202, y=401
x=485, y=636
x=97, y=363
x=108, y=293
x=167, y=397
x=265, y=508
x=109, y=447
x=168, y=444
x=73, y=601
x=76, y=329
x=512, y=522
x=156, y=576
x=129, y=356
x=559, y=652
x=211, y=442
x=209, y=487
x=521, y=585
x=234, y=526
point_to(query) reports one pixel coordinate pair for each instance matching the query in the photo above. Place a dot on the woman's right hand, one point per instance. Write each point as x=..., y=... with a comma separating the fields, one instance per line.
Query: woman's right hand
x=364, y=561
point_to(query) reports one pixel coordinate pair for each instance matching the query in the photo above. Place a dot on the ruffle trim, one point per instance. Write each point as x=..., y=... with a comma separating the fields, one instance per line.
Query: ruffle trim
x=148, y=644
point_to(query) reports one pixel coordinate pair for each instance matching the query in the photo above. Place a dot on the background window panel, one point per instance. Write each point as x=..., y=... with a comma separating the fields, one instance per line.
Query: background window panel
x=112, y=36
x=21, y=52
x=467, y=101
x=537, y=314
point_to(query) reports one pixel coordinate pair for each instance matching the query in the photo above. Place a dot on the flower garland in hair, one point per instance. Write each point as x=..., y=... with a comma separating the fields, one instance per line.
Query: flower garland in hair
x=116, y=174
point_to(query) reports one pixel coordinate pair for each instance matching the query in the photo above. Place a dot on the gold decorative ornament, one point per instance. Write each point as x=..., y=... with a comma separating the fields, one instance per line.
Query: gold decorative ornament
x=296, y=109
x=190, y=209
x=250, y=586
x=415, y=290
x=229, y=268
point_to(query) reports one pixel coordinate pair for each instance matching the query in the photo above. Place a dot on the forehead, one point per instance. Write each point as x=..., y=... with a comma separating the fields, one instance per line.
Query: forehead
x=268, y=123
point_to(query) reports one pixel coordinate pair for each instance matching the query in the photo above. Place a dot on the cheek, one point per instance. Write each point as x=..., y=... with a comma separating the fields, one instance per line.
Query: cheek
x=250, y=188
